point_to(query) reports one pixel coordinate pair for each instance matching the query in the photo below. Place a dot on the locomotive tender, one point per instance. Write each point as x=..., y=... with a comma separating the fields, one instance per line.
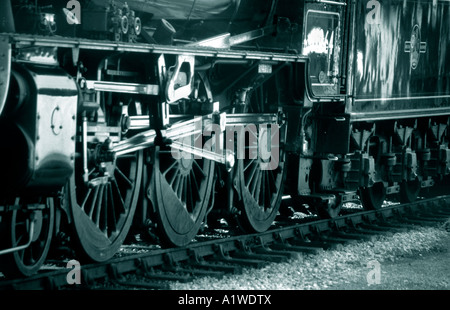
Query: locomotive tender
x=126, y=117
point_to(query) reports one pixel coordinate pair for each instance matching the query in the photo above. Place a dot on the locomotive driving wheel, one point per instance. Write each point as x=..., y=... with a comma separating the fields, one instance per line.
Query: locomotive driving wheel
x=180, y=189
x=260, y=189
x=29, y=229
x=259, y=181
x=102, y=208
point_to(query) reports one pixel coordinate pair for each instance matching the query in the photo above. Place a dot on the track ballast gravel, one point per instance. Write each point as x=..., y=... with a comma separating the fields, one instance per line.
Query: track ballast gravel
x=416, y=259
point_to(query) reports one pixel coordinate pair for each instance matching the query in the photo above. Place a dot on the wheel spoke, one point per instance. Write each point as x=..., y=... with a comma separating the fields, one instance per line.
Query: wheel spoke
x=83, y=204
x=261, y=198
x=196, y=164
x=269, y=191
x=177, y=184
x=99, y=205
x=129, y=182
x=118, y=197
x=252, y=174
x=112, y=209
x=190, y=202
x=93, y=202
x=103, y=224
x=250, y=162
x=185, y=188
x=181, y=196
x=272, y=181
x=256, y=185
x=194, y=182
x=170, y=168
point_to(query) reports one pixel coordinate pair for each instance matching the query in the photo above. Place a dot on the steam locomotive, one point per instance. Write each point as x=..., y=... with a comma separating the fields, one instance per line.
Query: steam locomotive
x=160, y=117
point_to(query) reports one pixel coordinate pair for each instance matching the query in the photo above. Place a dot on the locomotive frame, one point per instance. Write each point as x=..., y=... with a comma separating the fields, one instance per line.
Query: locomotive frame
x=107, y=138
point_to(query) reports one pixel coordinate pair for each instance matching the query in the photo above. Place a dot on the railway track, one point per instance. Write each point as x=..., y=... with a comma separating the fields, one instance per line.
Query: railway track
x=229, y=254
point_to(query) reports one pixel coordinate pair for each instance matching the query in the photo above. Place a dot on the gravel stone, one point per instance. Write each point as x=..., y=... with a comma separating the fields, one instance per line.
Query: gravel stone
x=398, y=256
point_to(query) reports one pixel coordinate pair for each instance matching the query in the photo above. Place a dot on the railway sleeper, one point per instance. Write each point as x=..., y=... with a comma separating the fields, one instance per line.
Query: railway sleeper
x=118, y=277
x=332, y=239
x=215, y=267
x=194, y=272
x=352, y=235
x=378, y=229
x=297, y=248
x=397, y=225
x=430, y=217
x=319, y=245
x=256, y=263
x=153, y=276
x=420, y=221
x=223, y=256
x=442, y=213
x=265, y=256
x=140, y=284
x=267, y=250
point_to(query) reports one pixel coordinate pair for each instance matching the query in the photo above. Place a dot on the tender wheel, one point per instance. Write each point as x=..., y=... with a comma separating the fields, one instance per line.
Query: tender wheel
x=409, y=190
x=330, y=209
x=102, y=209
x=15, y=232
x=373, y=197
x=180, y=190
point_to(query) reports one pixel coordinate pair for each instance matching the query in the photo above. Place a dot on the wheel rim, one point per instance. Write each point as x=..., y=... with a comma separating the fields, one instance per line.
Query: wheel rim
x=260, y=190
x=180, y=190
x=103, y=209
x=28, y=261
x=373, y=197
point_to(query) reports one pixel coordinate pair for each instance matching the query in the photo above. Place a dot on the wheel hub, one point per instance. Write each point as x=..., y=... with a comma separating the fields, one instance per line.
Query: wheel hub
x=104, y=158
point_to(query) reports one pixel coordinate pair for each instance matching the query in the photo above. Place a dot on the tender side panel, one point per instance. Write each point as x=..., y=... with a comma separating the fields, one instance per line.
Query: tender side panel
x=401, y=58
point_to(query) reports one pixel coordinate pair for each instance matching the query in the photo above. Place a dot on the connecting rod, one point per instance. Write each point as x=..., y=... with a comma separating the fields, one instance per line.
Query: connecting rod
x=212, y=123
